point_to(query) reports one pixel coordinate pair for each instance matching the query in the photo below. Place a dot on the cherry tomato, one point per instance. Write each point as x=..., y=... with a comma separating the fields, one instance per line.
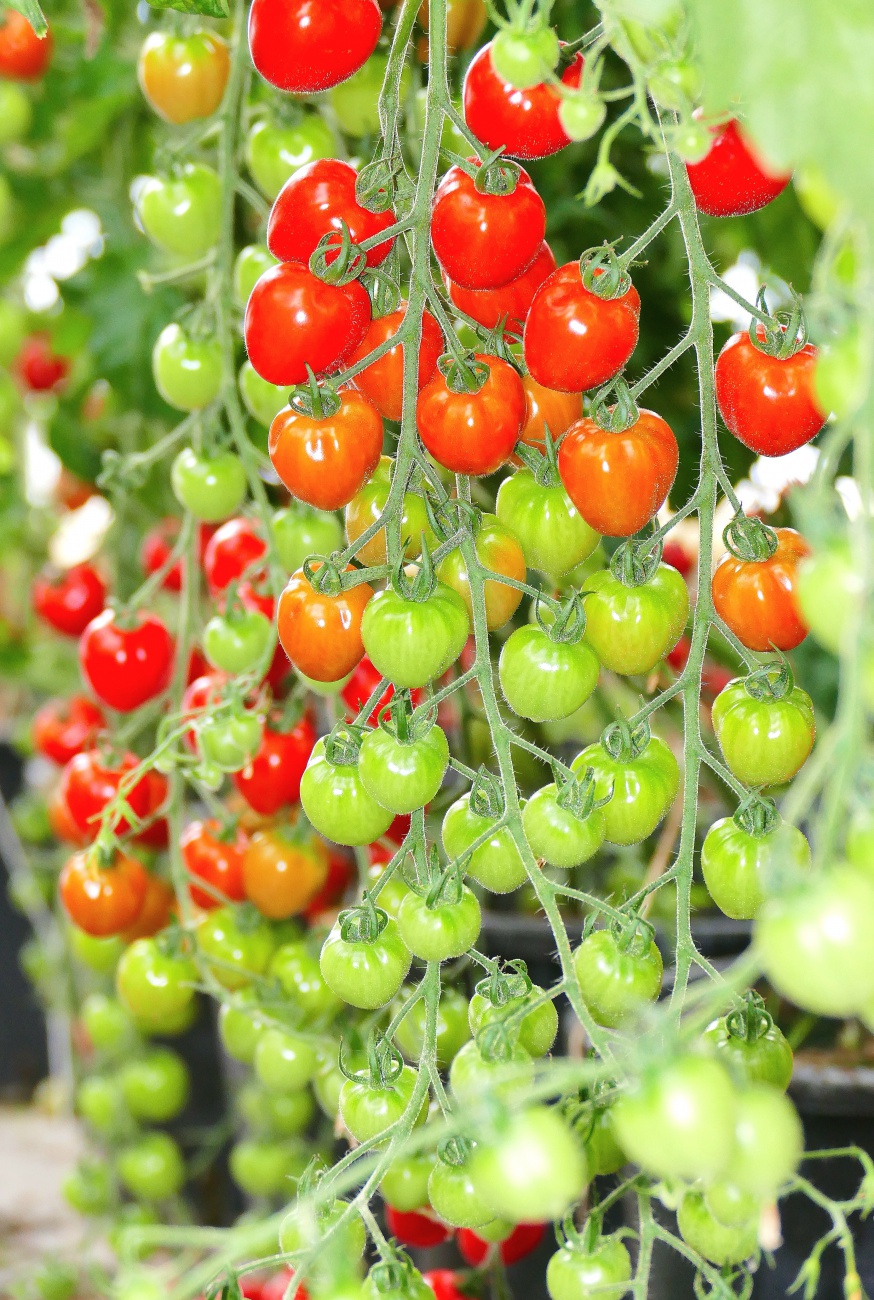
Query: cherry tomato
x=105, y=1020
x=536, y=1030
x=231, y=552
x=236, y=643
x=368, y=1110
x=422, y=1232
x=298, y=973
x=276, y=1114
x=152, y=1168
x=155, y=1087
x=240, y=1027
x=603, y=1271
x=366, y=508
x=325, y=458
x=272, y=780
x=738, y=865
x=465, y=20
x=355, y=103
x=455, y=1198
x=64, y=728
x=498, y=551
x=102, y=898
x=484, y=238
x=714, y=1240
x=275, y=1287
x=619, y=481
x=68, y=600
x=231, y=740
x=757, y=598
x=183, y=77
x=304, y=50
x=155, y=551
x=39, y=367
x=265, y=1168
x=404, y=1186
x=250, y=264
x=24, y=56
x=318, y=200
x=88, y=783
x=574, y=339
x=618, y=973
x=281, y=872
x=210, y=487
x=156, y=985
x=640, y=788
x=548, y=408
x=472, y=432
x=321, y=634
x=632, y=628
x=769, y=403
x=555, y=833
x=524, y=122
x=439, y=931
x=364, y=971
x=329, y=322
x=534, y=1171
x=764, y=741
x=126, y=666
x=452, y=1032
x=158, y=908
x=403, y=774
x=217, y=859
x=471, y=1075
x=275, y=151
x=522, y=1240
x=411, y=642
x=337, y=803
x=730, y=179
x=285, y=1061
x=543, y=679
x=497, y=864
x=827, y=589
x=510, y=302
x=751, y=1046
x=300, y=531
x=536, y=508
x=236, y=943
x=182, y=213
x=769, y=1142
x=382, y=381
x=187, y=371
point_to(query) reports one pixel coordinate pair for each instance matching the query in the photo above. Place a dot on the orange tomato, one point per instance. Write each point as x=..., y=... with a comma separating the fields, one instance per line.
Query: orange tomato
x=383, y=380
x=158, y=906
x=499, y=551
x=548, y=408
x=321, y=634
x=282, y=872
x=756, y=598
x=325, y=459
x=103, y=900
x=183, y=77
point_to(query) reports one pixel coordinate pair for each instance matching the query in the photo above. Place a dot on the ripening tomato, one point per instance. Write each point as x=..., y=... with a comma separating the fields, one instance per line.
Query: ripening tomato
x=275, y=150
x=632, y=628
x=318, y=200
x=24, y=56
x=473, y=432
x=159, y=905
x=232, y=551
x=320, y=633
x=575, y=339
x=510, y=302
x=69, y=600
x=64, y=728
x=521, y=1241
x=465, y=20
x=325, y=458
x=282, y=872
x=383, y=380
x=38, y=366
x=272, y=780
x=765, y=739
x=61, y=822
x=769, y=403
x=525, y=123
x=216, y=858
x=548, y=408
x=304, y=49
x=730, y=180
x=89, y=782
x=619, y=481
x=126, y=665
x=485, y=237
x=756, y=598
x=498, y=551
x=102, y=898
x=183, y=77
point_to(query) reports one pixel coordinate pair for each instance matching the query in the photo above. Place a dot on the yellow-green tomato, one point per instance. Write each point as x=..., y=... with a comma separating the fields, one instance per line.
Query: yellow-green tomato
x=618, y=973
x=403, y=775
x=497, y=864
x=276, y=151
x=714, y=1240
x=556, y=833
x=552, y=533
x=534, y=1170
x=543, y=677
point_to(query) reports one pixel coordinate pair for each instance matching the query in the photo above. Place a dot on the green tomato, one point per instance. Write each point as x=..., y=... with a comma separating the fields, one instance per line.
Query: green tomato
x=716, y=1241
x=535, y=1169
x=758, y=1055
x=537, y=1029
x=365, y=973
x=300, y=531
x=212, y=488
x=497, y=864
x=553, y=535
x=675, y=84
x=604, y=1155
x=602, y=1272
x=155, y=1087
x=737, y=865
x=452, y=1027
x=617, y=976
x=227, y=744
x=183, y=214
x=769, y=1142
x=100, y=1103
x=455, y=1197
x=237, y=643
x=581, y=113
x=355, y=101
x=840, y=376
x=403, y=775
x=252, y=261
x=278, y=1114
x=336, y=801
x=404, y=1184
x=442, y=931
x=368, y=1110
x=643, y=788
x=156, y=986
x=524, y=58
x=275, y=152
x=187, y=371
x=89, y=1188
x=411, y=642
x=730, y=1206
x=471, y=1076
x=16, y=114
x=264, y=1167
x=543, y=679
x=236, y=943
x=262, y=399
x=285, y=1061
x=240, y=1028
x=555, y=833
x=367, y=506
x=631, y=629
x=300, y=977
x=828, y=590
x=106, y=1023
x=764, y=742
x=100, y=955
x=152, y=1168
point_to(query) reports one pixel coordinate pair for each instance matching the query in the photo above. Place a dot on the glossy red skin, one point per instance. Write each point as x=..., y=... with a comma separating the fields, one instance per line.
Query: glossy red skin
x=524, y=122
x=216, y=861
x=768, y=404
x=125, y=667
x=444, y=1283
x=88, y=784
x=522, y=1240
x=69, y=600
x=730, y=180
x=324, y=460
x=38, y=367
x=272, y=780
x=155, y=551
x=64, y=728
x=23, y=55
x=157, y=834
x=316, y=201
x=362, y=684
x=511, y=302
x=575, y=340
x=103, y=900
x=231, y=550
x=413, y=1228
x=305, y=46
x=483, y=241
x=757, y=599
x=473, y=433
x=383, y=380
x=321, y=634
x=294, y=320
x=619, y=481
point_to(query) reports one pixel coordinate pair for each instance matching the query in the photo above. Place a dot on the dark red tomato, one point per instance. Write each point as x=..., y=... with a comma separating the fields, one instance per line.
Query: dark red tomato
x=325, y=459
x=575, y=340
x=232, y=550
x=126, y=666
x=102, y=900
x=305, y=46
x=511, y=302
x=768, y=403
x=216, y=861
x=63, y=728
x=157, y=834
x=445, y=1284
x=524, y=122
x=473, y=433
x=341, y=873
x=272, y=780
x=619, y=481
x=730, y=179
x=757, y=598
x=318, y=199
x=89, y=782
x=39, y=368
x=383, y=380
x=481, y=240
x=321, y=634
x=294, y=320
x=416, y=1228
x=68, y=600
x=522, y=1240
x=23, y=55
x=159, y=905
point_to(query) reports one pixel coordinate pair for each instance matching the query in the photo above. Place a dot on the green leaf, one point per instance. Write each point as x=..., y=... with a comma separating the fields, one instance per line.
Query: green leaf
x=32, y=13
x=211, y=8
x=68, y=441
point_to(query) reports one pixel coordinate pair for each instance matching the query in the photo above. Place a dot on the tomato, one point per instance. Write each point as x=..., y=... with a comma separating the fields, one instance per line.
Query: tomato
x=277, y=1114
x=552, y=533
x=731, y=180
x=300, y=978
x=318, y=200
x=575, y=339
x=738, y=864
x=714, y=1240
x=368, y=1109
x=39, y=368
x=471, y=1075
x=330, y=321
x=421, y=1231
x=215, y=858
x=282, y=872
x=497, y=864
x=619, y=481
x=827, y=589
x=266, y=1168
x=544, y=678
x=366, y=508
x=156, y=549
x=24, y=56
x=336, y=800
x=326, y=457
x=68, y=600
x=764, y=739
x=412, y=641
x=106, y=1022
x=126, y=666
x=183, y=77
x=355, y=104
x=444, y=1283
x=64, y=728
x=557, y=832
x=814, y=942
x=403, y=774
x=285, y=1061
x=100, y=897
x=158, y=907
x=536, y=1029
x=769, y=1142
x=768, y=402
x=756, y=598
x=404, y=1185
x=472, y=432
x=454, y=1196
x=497, y=550
x=840, y=374
x=751, y=1045
x=524, y=122
x=100, y=1103
x=250, y=264
x=548, y=408
x=322, y=633
x=509, y=303
x=304, y=50
x=443, y=929
x=237, y=643
x=383, y=380
x=182, y=214
x=364, y=966
x=272, y=780
x=452, y=1030
x=152, y=1168
x=155, y=1086
x=678, y=1121
x=300, y=531
x=89, y=782
x=483, y=233
x=534, y=1171
x=618, y=973
x=276, y=151
x=263, y=401
x=631, y=628
x=276, y=1286
x=640, y=785
x=155, y=985
x=210, y=487
x=230, y=739
x=236, y=944
x=602, y=1272
x=232, y=551
x=187, y=371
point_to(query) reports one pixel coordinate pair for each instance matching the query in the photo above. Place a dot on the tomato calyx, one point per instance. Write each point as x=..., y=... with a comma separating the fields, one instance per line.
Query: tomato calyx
x=364, y=923
x=603, y=274
x=314, y=400
x=576, y=793
x=786, y=333
x=623, y=743
x=343, y=745
x=419, y=586
x=376, y=184
x=750, y=540
x=385, y=1063
x=446, y=887
x=385, y=293
x=633, y=936
x=541, y=460
x=624, y=412
x=636, y=561
x=323, y=575
x=449, y=518
x=757, y=816
x=568, y=626
x=770, y=681
x=336, y=260
x=586, y=1241
x=487, y=795
x=506, y=983
x=393, y=1272
x=463, y=374
x=403, y=722
x=752, y=1021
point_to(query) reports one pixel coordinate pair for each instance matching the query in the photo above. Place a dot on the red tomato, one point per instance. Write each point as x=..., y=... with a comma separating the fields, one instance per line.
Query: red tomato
x=619, y=481
x=61, y=821
x=362, y=684
x=445, y=1284
x=38, y=367
x=252, y=599
x=275, y=1287
x=546, y=408
x=473, y=433
x=678, y=557
x=768, y=403
x=318, y=199
x=324, y=459
x=524, y=1238
x=126, y=666
x=511, y=302
x=217, y=861
x=157, y=834
x=159, y=905
x=89, y=782
x=383, y=380
x=483, y=240
x=63, y=728
x=679, y=656
x=757, y=599
x=232, y=550
x=24, y=56
x=341, y=873
x=155, y=551
x=321, y=634
x=70, y=599
x=272, y=780
x=305, y=47
x=731, y=179
x=102, y=900
x=524, y=122
x=294, y=320
x=575, y=340
x=416, y=1228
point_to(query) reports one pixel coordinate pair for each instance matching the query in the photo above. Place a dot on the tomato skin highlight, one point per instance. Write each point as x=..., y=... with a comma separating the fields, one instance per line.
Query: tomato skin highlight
x=481, y=240
x=102, y=900
x=324, y=460
x=768, y=403
x=511, y=301
x=183, y=78
x=311, y=45
x=763, y=741
x=619, y=481
x=382, y=380
x=473, y=433
x=316, y=201
x=524, y=122
x=125, y=667
x=575, y=340
x=736, y=864
x=730, y=181
x=321, y=634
